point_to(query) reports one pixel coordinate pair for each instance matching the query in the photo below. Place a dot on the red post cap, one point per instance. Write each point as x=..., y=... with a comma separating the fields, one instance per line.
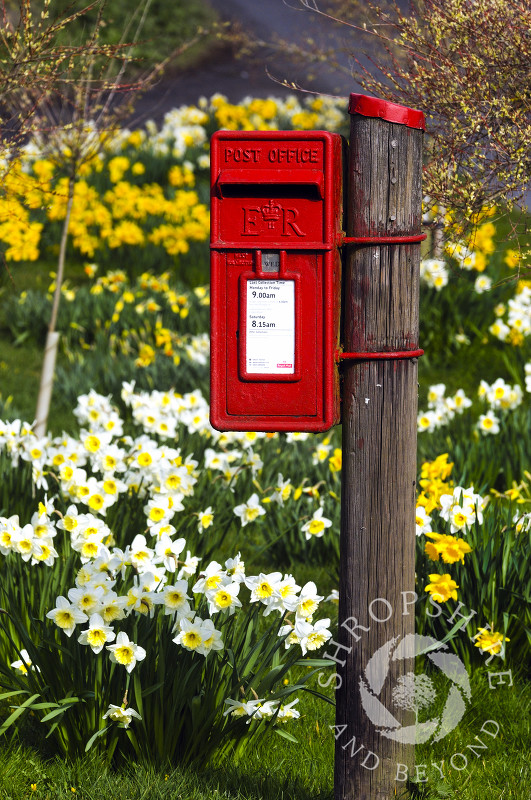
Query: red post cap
x=392, y=112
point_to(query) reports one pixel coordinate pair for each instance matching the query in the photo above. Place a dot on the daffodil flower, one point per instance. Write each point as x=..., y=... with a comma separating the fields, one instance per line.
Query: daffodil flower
x=126, y=652
x=97, y=634
x=66, y=615
x=317, y=525
x=123, y=715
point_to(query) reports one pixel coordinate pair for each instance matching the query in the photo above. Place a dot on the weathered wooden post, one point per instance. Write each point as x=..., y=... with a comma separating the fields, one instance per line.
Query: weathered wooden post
x=380, y=342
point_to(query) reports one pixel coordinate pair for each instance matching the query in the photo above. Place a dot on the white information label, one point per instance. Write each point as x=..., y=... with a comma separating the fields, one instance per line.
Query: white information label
x=270, y=327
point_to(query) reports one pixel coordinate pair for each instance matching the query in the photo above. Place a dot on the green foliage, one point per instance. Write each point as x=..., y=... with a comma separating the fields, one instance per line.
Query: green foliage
x=494, y=589
x=168, y=26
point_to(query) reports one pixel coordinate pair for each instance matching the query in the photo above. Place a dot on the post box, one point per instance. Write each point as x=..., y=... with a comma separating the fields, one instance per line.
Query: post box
x=276, y=214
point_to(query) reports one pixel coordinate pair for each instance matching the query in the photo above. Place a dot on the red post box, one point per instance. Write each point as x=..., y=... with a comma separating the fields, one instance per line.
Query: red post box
x=276, y=212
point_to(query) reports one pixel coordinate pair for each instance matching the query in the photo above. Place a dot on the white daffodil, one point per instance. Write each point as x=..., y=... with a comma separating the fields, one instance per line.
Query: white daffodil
x=308, y=601
x=97, y=634
x=249, y=511
x=321, y=452
x=205, y=519
x=141, y=599
x=482, y=284
x=66, y=615
x=141, y=555
x=174, y=597
x=522, y=522
x=434, y=272
x=25, y=543
x=121, y=714
x=126, y=652
x=436, y=393
x=168, y=551
x=288, y=589
x=235, y=568
x=8, y=528
x=317, y=525
x=284, y=598
x=422, y=521
x=312, y=636
x=159, y=509
x=112, y=607
x=87, y=598
x=488, y=424
x=264, y=588
x=189, y=566
x=461, y=517
x=24, y=663
x=287, y=712
x=47, y=553
x=282, y=491
x=296, y=436
x=291, y=637
x=211, y=638
x=224, y=598
x=499, y=330
x=266, y=709
x=215, y=460
x=239, y=708
x=459, y=401
x=252, y=460
x=211, y=578
x=427, y=421
x=191, y=634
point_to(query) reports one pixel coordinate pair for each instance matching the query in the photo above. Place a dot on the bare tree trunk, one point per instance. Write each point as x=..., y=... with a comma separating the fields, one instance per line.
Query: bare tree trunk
x=52, y=338
x=438, y=235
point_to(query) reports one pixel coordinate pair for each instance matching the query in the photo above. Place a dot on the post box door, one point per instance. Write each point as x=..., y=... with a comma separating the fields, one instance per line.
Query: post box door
x=275, y=276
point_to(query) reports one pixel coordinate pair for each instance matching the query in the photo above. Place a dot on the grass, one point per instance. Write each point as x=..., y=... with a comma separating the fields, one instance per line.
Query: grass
x=501, y=771
x=281, y=770
x=21, y=361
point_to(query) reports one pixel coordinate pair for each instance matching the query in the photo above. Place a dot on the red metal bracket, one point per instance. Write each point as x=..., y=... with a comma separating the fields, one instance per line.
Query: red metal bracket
x=380, y=356
x=368, y=240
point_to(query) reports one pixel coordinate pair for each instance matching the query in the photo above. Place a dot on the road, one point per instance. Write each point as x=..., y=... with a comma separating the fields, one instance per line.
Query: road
x=266, y=20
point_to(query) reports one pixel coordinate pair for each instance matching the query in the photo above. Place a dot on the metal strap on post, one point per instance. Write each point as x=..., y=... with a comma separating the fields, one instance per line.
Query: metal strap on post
x=381, y=356
x=370, y=240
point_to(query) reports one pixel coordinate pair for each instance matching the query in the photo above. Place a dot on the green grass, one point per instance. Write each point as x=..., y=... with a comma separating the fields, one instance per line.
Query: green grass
x=502, y=771
x=280, y=770
x=21, y=361
x=20, y=370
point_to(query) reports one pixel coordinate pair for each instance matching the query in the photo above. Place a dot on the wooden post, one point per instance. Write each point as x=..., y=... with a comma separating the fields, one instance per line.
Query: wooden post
x=379, y=396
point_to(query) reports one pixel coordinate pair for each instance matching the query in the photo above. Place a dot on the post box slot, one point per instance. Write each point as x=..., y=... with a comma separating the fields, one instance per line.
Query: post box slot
x=308, y=184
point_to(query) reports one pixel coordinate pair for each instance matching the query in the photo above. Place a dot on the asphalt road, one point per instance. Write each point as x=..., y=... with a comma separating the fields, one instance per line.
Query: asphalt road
x=236, y=77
